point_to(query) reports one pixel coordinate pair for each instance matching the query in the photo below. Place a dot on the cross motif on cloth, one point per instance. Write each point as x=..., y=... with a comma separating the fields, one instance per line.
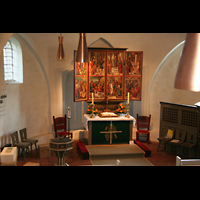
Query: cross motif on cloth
x=111, y=131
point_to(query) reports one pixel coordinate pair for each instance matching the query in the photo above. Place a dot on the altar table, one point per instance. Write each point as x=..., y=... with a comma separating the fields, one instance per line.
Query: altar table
x=97, y=126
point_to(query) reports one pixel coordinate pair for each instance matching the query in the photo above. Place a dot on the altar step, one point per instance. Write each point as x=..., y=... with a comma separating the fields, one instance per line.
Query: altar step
x=113, y=155
x=114, y=151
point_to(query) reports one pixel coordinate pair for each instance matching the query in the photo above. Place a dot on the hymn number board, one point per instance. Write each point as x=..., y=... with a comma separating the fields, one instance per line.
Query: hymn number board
x=111, y=72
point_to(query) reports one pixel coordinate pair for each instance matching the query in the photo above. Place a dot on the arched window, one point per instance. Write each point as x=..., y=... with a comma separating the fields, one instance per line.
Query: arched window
x=13, y=65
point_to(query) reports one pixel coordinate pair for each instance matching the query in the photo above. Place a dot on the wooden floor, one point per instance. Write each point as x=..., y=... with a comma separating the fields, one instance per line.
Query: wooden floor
x=74, y=159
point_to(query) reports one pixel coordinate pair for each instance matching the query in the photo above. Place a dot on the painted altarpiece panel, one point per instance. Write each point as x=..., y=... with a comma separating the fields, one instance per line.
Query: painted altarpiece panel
x=110, y=72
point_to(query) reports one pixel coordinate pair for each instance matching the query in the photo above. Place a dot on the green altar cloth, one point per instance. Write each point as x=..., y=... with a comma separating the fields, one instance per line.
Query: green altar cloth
x=99, y=129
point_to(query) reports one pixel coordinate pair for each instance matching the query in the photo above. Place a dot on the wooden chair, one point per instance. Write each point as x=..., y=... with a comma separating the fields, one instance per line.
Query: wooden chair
x=179, y=135
x=60, y=127
x=20, y=145
x=23, y=136
x=143, y=124
x=191, y=141
x=164, y=139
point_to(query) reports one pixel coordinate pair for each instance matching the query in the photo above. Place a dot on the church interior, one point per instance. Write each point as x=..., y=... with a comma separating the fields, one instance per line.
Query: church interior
x=44, y=87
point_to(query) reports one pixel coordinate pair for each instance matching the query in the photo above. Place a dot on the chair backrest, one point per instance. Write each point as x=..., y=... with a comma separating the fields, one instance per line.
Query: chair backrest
x=143, y=122
x=180, y=134
x=191, y=137
x=59, y=124
x=15, y=138
x=23, y=134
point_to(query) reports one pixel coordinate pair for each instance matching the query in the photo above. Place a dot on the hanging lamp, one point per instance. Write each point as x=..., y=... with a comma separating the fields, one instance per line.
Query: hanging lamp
x=82, y=51
x=60, y=54
x=188, y=73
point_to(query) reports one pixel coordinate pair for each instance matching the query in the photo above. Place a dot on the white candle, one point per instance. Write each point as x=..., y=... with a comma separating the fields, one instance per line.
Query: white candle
x=128, y=98
x=92, y=98
x=69, y=113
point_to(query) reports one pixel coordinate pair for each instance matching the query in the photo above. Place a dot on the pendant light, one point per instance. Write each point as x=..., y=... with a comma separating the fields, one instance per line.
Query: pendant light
x=82, y=51
x=60, y=54
x=188, y=73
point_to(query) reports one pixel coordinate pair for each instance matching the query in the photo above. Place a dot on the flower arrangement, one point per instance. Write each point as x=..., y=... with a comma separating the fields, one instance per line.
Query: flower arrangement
x=121, y=109
x=89, y=110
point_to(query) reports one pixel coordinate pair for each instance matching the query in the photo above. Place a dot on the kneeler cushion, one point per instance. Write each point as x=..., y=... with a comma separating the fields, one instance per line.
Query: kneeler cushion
x=83, y=149
x=142, y=146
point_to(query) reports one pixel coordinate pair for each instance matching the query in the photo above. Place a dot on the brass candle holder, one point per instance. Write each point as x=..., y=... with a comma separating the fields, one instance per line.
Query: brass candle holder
x=92, y=116
x=127, y=108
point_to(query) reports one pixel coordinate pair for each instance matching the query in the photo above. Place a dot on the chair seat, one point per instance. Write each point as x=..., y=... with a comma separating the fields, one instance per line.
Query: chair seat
x=63, y=133
x=22, y=144
x=177, y=143
x=32, y=141
x=142, y=131
x=188, y=145
x=164, y=139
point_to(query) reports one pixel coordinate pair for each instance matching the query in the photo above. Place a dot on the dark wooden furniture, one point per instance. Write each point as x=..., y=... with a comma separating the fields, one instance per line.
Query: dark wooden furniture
x=143, y=124
x=60, y=127
x=23, y=136
x=164, y=140
x=190, y=143
x=179, y=135
x=20, y=145
x=179, y=116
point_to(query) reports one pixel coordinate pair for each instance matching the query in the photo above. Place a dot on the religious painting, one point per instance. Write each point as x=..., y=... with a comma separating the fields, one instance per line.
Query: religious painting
x=114, y=87
x=97, y=86
x=114, y=63
x=80, y=88
x=110, y=73
x=97, y=63
x=133, y=74
x=80, y=68
x=133, y=86
x=133, y=63
x=80, y=80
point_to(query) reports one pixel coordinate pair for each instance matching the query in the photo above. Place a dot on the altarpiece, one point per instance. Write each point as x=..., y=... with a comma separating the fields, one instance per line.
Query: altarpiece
x=110, y=74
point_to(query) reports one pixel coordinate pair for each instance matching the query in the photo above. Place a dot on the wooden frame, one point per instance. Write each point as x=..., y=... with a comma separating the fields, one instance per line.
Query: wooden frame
x=110, y=74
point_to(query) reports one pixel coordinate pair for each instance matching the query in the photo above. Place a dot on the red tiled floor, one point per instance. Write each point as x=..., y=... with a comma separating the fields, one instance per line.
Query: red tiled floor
x=74, y=158
x=160, y=158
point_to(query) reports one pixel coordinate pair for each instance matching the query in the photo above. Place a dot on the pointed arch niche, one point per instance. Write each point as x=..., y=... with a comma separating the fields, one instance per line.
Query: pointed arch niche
x=77, y=108
x=162, y=89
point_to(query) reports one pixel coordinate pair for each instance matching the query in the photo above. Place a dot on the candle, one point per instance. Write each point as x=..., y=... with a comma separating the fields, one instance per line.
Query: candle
x=69, y=113
x=128, y=98
x=92, y=98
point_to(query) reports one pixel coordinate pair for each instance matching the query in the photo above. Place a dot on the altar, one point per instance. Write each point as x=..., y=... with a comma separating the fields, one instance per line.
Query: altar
x=111, y=130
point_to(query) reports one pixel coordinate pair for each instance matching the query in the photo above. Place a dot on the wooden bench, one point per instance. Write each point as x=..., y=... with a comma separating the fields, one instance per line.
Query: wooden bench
x=144, y=148
x=84, y=152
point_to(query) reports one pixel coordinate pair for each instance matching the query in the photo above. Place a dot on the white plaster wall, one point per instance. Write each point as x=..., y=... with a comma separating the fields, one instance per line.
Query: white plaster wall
x=154, y=45
x=163, y=90
x=26, y=103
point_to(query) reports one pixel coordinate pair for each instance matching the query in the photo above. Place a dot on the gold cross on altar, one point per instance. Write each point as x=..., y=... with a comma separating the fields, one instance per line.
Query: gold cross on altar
x=111, y=132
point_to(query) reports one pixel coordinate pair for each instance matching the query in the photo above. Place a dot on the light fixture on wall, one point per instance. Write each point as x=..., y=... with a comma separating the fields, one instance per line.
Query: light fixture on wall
x=82, y=51
x=60, y=54
x=188, y=73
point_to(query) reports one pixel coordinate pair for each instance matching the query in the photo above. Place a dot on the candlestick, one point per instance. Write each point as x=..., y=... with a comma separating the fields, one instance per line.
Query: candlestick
x=92, y=116
x=127, y=113
x=128, y=98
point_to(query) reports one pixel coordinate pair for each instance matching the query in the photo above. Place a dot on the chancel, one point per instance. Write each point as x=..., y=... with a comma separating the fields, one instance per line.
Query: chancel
x=97, y=83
